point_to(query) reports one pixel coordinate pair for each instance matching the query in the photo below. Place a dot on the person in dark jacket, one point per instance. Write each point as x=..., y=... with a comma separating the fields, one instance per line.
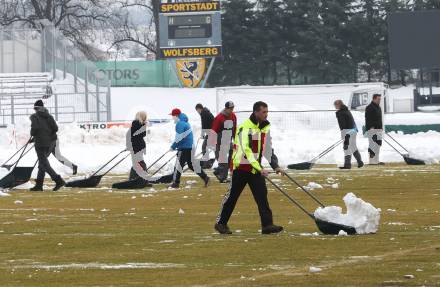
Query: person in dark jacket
x=349, y=132
x=136, y=145
x=207, y=119
x=222, y=135
x=374, y=128
x=183, y=143
x=44, y=133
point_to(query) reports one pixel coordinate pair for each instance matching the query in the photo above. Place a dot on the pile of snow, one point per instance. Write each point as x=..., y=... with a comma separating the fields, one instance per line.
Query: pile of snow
x=313, y=185
x=363, y=216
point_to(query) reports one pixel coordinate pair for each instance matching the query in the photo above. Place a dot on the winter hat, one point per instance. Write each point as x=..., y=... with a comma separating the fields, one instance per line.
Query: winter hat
x=175, y=112
x=229, y=105
x=39, y=103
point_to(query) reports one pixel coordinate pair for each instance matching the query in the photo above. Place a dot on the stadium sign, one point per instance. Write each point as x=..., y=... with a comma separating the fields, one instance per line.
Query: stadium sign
x=191, y=52
x=190, y=30
x=190, y=7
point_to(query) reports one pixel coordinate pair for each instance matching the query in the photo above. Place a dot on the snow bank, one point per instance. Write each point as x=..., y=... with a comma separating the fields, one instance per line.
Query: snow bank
x=363, y=216
x=299, y=141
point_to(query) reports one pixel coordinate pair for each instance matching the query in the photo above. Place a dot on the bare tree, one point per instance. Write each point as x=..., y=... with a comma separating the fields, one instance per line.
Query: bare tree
x=76, y=19
x=126, y=30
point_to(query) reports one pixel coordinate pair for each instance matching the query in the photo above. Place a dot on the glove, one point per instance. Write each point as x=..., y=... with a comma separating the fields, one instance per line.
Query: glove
x=352, y=132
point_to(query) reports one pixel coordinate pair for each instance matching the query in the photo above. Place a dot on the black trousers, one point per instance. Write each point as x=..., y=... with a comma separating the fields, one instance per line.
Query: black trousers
x=223, y=168
x=257, y=184
x=185, y=157
x=44, y=165
x=133, y=173
x=204, y=145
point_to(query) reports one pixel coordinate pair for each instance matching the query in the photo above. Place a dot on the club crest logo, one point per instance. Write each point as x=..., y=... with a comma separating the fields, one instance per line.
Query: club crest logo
x=191, y=72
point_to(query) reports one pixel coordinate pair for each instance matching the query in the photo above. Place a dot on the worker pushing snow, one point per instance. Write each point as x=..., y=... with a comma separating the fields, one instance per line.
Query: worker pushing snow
x=207, y=119
x=221, y=138
x=252, y=143
x=44, y=134
x=349, y=133
x=184, y=144
x=374, y=127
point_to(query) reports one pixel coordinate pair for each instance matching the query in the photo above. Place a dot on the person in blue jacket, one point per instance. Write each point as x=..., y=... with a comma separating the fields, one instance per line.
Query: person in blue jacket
x=184, y=145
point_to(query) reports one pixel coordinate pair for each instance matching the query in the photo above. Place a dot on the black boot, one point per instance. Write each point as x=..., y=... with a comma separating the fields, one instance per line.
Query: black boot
x=74, y=169
x=358, y=158
x=133, y=175
x=271, y=229
x=174, y=185
x=347, y=162
x=59, y=183
x=222, y=228
x=37, y=187
x=206, y=181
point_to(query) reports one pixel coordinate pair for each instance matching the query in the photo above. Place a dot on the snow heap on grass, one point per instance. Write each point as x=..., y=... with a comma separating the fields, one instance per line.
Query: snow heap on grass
x=363, y=216
x=313, y=185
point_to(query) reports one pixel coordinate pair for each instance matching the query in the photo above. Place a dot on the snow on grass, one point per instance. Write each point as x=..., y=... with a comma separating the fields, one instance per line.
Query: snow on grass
x=101, y=266
x=24, y=186
x=18, y=202
x=313, y=185
x=363, y=216
x=314, y=269
x=4, y=194
x=309, y=234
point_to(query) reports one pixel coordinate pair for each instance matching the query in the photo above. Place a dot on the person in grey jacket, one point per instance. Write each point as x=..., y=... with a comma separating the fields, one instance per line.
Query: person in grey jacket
x=44, y=134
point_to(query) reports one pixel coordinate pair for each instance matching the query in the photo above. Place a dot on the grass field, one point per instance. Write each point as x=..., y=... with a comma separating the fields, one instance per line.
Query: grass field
x=100, y=237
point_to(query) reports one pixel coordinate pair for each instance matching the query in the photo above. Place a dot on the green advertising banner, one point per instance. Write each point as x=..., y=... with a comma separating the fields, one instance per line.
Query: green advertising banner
x=139, y=73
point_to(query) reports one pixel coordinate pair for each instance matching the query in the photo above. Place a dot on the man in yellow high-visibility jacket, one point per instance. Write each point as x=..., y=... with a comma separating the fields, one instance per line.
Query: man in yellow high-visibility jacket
x=252, y=143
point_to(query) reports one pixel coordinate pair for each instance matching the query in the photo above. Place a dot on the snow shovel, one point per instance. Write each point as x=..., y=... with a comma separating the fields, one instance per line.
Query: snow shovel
x=325, y=227
x=18, y=175
x=308, y=165
x=93, y=180
x=9, y=166
x=409, y=160
x=139, y=182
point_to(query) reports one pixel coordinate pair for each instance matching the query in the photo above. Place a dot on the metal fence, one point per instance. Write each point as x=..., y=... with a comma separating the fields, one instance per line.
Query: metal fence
x=73, y=87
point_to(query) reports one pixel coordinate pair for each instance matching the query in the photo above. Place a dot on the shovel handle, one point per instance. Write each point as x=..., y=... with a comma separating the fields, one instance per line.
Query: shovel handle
x=159, y=159
x=115, y=165
x=329, y=149
x=107, y=163
x=160, y=168
x=23, y=153
x=305, y=190
x=17, y=152
x=290, y=198
x=397, y=142
x=394, y=148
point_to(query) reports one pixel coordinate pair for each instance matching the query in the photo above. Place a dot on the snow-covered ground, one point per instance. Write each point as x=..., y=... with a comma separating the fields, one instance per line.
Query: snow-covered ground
x=295, y=142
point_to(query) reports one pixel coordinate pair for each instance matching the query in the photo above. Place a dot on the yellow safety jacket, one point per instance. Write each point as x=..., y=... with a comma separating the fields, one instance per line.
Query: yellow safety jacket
x=253, y=142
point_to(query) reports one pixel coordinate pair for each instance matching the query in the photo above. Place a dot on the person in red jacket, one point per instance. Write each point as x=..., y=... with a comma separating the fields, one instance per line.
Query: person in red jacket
x=223, y=132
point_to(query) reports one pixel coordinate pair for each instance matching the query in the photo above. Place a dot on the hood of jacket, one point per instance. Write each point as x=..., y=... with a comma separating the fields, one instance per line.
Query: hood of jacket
x=182, y=117
x=42, y=112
